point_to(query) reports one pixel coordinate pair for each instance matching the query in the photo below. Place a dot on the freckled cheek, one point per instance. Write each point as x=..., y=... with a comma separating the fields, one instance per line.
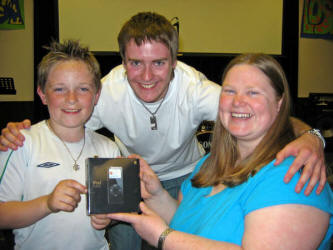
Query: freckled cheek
x=88, y=101
x=55, y=102
x=224, y=102
x=259, y=106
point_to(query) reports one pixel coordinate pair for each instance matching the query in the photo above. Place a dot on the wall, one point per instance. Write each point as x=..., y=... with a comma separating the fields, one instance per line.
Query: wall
x=315, y=64
x=210, y=26
x=16, y=50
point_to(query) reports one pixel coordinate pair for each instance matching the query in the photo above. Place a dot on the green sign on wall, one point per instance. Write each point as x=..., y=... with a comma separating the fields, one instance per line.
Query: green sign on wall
x=12, y=14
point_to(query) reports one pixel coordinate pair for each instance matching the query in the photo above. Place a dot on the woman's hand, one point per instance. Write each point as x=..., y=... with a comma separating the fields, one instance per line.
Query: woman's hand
x=148, y=224
x=99, y=221
x=150, y=184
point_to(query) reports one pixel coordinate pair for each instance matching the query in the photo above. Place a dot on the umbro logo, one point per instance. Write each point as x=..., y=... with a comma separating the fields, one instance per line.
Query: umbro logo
x=48, y=165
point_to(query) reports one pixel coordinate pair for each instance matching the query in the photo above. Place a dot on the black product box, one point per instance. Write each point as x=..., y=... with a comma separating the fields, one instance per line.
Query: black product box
x=113, y=185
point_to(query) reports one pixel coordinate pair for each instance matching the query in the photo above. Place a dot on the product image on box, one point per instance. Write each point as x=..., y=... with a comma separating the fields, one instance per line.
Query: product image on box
x=113, y=185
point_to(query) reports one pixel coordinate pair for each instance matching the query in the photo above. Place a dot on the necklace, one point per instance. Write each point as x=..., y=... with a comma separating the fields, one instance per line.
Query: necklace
x=153, y=121
x=76, y=166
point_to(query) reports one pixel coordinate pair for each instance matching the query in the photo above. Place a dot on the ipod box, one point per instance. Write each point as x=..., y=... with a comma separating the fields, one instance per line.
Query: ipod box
x=113, y=185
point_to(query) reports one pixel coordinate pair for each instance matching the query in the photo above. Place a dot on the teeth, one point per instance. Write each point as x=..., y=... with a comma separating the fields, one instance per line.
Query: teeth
x=148, y=86
x=72, y=110
x=238, y=115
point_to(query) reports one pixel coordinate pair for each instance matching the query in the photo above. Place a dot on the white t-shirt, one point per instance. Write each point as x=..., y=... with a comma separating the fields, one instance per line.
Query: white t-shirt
x=34, y=170
x=172, y=150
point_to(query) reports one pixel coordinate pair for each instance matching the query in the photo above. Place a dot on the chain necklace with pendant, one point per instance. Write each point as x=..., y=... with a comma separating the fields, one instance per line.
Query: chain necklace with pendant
x=153, y=121
x=76, y=166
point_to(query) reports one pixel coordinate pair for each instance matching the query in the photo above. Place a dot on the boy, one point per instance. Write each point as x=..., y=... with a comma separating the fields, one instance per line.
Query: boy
x=41, y=183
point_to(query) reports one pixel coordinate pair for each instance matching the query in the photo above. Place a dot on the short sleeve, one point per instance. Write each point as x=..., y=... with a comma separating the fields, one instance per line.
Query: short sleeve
x=267, y=188
x=13, y=165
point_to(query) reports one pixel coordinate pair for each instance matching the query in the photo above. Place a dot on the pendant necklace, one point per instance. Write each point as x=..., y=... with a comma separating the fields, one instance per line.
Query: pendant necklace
x=76, y=166
x=153, y=121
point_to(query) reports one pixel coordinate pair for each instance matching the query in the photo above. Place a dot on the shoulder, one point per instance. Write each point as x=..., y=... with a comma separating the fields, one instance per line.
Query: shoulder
x=272, y=170
x=190, y=84
x=117, y=73
x=99, y=137
x=35, y=137
x=193, y=76
x=103, y=142
x=267, y=188
x=35, y=132
x=115, y=87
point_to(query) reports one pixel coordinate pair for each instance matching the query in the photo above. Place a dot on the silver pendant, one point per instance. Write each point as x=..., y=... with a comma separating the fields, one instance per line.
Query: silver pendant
x=153, y=123
x=76, y=166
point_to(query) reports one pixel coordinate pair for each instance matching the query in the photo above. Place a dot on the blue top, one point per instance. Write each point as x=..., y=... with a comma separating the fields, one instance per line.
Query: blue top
x=222, y=216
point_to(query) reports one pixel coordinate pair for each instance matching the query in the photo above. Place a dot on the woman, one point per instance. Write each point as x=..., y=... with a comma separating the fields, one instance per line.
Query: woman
x=236, y=198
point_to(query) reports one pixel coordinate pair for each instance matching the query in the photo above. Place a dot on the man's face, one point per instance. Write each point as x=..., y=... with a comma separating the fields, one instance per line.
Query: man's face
x=149, y=69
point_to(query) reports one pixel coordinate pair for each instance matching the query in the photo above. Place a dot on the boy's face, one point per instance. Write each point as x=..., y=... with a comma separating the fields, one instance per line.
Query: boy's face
x=149, y=69
x=70, y=94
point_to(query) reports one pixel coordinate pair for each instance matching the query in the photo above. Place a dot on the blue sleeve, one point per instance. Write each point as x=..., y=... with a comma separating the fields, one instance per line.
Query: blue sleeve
x=267, y=188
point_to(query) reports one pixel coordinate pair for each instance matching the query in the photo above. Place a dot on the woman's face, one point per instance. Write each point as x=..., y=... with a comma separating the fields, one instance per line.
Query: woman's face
x=248, y=104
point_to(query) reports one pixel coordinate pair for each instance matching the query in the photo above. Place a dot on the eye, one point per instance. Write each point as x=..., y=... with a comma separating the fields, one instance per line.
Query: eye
x=253, y=93
x=84, y=89
x=135, y=63
x=159, y=63
x=58, y=89
x=228, y=91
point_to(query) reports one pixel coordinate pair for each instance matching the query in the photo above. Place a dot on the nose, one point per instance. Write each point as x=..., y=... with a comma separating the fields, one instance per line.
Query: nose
x=238, y=99
x=147, y=74
x=71, y=97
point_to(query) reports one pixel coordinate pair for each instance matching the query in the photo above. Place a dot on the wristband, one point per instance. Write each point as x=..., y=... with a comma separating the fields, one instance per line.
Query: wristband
x=316, y=132
x=162, y=237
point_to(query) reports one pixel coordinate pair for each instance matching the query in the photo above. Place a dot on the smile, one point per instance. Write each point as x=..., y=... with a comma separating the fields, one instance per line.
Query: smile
x=71, y=110
x=148, y=86
x=238, y=115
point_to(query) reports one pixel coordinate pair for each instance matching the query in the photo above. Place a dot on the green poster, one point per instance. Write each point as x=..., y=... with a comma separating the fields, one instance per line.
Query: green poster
x=317, y=19
x=11, y=14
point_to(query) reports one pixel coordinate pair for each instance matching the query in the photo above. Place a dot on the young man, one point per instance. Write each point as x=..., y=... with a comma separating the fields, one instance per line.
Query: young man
x=154, y=104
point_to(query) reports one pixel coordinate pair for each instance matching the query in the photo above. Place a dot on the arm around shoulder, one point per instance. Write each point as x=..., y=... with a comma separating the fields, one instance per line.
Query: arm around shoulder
x=11, y=136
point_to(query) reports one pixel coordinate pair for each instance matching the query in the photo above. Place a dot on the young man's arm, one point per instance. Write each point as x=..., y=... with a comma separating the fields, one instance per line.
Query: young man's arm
x=307, y=148
x=11, y=137
x=309, y=152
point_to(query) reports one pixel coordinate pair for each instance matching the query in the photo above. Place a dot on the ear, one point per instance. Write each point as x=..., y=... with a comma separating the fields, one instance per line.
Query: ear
x=42, y=95
x=280, y=103
x=124, y=65
x=174, y=64
x=97, y=96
